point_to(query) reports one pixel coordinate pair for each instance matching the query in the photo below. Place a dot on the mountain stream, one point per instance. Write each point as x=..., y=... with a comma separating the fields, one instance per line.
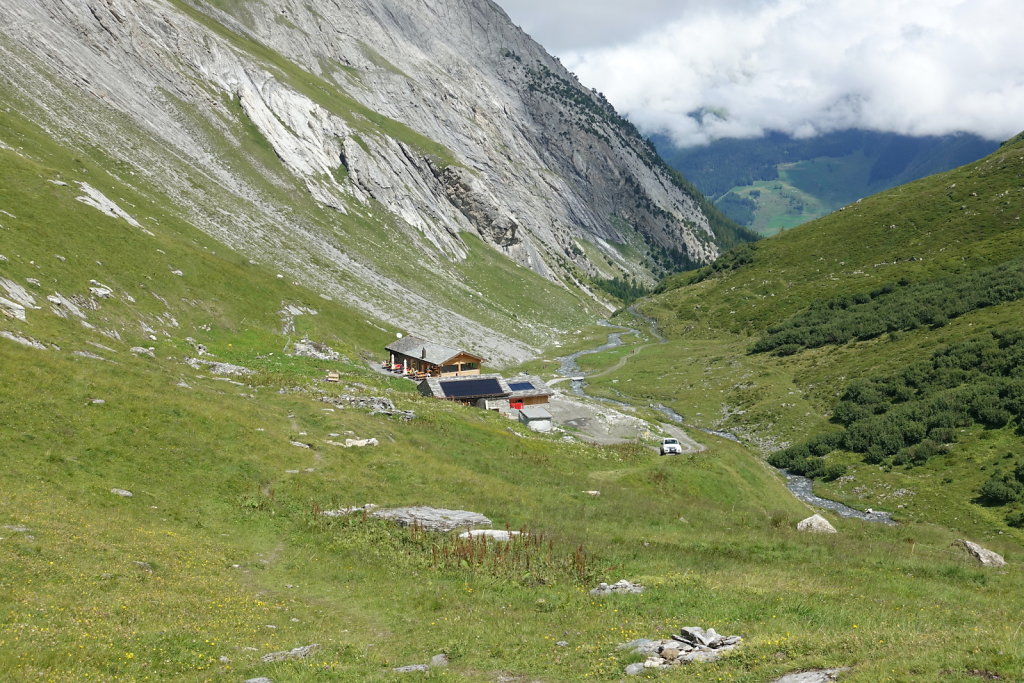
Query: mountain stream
x=801, y=487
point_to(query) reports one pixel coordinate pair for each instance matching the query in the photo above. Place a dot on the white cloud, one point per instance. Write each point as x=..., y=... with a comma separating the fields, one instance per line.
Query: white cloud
x=736, y=69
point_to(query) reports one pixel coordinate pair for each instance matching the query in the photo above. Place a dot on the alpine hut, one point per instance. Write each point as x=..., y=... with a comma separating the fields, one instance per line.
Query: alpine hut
x=415, y=356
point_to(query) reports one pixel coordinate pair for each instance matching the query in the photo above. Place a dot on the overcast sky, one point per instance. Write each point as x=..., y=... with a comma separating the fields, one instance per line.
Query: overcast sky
x=705, y=69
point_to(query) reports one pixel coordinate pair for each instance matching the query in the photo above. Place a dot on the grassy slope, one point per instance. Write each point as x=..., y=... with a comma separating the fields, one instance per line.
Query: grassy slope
x=954, y=222
x=234, y=546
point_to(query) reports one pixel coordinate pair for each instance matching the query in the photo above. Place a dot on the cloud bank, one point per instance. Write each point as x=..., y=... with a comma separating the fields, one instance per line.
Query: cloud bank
x=805, y=67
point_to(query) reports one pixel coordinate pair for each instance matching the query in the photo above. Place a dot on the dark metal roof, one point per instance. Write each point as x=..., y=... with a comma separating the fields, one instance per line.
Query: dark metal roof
x=529, y=385
x=465, y=388
x=471, y=388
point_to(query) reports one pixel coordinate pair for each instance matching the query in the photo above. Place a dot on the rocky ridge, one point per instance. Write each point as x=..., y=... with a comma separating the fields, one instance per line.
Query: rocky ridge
x=373, y=116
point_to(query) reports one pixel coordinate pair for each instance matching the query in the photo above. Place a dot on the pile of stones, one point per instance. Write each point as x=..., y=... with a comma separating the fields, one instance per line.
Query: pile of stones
x=692, y=644
x=217, y=368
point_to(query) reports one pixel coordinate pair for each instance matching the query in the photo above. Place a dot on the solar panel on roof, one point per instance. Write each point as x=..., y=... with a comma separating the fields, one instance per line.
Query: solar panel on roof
x=471, y=387
x=520, y=386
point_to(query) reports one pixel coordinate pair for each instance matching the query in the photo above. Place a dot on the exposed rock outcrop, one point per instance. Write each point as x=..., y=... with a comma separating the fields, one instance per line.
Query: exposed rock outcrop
x=433, y=519
x=425, y=120
x=622, y=586
x=986, y=557
x=691, y=644
x=816, y=676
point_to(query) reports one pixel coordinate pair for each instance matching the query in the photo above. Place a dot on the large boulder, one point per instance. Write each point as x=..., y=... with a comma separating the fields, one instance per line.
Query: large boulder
x=433, y=519
x=815, y=524
x=987, y=557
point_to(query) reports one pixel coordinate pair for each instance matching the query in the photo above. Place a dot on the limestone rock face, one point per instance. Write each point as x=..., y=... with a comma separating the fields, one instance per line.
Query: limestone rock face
x=426, y=120
x=816, y=524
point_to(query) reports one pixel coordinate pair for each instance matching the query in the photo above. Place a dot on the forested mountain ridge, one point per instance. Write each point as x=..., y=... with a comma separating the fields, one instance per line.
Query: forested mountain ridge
x=777, y=182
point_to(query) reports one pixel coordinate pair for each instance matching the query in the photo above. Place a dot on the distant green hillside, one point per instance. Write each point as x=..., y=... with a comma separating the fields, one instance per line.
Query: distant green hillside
x=778, y=182
x=221, y=555
x=914, y=293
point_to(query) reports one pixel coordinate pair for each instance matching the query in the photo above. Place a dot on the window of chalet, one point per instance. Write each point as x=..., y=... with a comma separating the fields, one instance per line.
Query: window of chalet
x=449, y=368
x=469, y=366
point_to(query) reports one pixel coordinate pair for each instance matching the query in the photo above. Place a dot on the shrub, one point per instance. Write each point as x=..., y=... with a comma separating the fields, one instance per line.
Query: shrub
x=942, y=434
x=847, y=412
x=992, y=417
x=1000, y=489
x=919, y=454
x=890, y=308
x=825, y=443
x=1016, y=520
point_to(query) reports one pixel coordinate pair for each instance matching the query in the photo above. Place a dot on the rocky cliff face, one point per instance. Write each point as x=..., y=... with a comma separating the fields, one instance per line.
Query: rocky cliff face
x=329, y=139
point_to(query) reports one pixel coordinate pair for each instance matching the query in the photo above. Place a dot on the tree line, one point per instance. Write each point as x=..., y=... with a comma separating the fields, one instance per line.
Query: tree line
x=912, y=415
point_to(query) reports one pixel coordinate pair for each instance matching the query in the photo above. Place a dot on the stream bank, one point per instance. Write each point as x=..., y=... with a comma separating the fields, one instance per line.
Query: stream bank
x=801, y=487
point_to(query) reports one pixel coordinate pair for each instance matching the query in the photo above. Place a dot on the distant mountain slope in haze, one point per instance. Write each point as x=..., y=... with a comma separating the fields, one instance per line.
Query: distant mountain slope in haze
x=777, y=181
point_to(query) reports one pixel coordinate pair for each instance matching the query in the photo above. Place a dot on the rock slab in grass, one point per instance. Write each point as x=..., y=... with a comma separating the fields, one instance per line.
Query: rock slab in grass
x=815, y=524
x=308, y=348
x=433, y=519
x=341, y=512
x=987, y=557
x=493, y=534
x=355, y=443
x=622, y=586
x=122, y=492
x=377, y=405
x=217, y=368
x=816, y=676
x=411, y=668
x=297, y=653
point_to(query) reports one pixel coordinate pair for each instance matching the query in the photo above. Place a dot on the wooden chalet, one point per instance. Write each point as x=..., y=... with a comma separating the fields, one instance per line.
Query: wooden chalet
x=421, y=358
